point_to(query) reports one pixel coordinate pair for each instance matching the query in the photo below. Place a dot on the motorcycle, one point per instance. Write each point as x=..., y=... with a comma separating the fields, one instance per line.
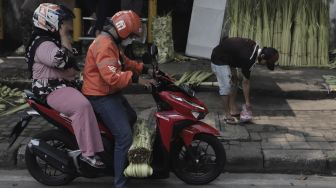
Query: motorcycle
x=183, y=144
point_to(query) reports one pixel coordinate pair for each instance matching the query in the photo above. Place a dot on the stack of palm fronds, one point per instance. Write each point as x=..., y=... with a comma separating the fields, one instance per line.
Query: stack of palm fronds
x=139, y=155
x=298, y=29
x=163, y=38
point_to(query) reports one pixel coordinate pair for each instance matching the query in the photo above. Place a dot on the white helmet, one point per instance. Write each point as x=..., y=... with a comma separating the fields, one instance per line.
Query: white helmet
x=49, y=16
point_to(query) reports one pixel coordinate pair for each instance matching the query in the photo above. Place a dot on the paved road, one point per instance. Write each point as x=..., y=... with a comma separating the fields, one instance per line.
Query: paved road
x=21, y=179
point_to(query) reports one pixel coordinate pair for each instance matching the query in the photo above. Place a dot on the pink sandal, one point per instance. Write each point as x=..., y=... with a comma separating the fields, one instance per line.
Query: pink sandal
x=246, y=114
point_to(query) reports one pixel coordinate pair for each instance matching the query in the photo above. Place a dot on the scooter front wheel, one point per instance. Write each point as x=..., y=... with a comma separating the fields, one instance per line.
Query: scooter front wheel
x=201, y=162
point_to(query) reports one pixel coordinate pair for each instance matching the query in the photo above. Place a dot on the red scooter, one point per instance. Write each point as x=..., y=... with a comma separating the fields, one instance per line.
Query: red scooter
x=183, y=144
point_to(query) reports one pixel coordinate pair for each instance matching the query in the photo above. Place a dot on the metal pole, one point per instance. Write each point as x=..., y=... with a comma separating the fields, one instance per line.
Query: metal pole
x=77, y=24
x=152, y=12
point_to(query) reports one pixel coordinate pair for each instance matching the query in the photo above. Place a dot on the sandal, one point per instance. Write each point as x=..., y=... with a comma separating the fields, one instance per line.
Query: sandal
x=231, y=121
x=93, y=161
x=236, y=115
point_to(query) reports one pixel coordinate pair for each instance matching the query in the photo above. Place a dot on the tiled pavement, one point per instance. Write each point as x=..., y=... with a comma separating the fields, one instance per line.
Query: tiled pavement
x=294, y=126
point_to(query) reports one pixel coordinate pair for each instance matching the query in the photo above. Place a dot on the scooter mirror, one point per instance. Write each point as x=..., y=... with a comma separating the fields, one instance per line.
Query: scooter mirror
x=147, y=58
x=153, y=50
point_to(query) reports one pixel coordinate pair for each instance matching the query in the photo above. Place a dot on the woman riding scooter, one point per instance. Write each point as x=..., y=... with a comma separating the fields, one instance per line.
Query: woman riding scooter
x=50, y=60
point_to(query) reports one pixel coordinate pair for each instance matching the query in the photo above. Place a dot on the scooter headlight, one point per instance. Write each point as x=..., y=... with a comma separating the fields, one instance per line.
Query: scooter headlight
x=195, y=114
x=198, y=115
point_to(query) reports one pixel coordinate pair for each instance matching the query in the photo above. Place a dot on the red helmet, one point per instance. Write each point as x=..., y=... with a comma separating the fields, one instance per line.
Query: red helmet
x=127, y=22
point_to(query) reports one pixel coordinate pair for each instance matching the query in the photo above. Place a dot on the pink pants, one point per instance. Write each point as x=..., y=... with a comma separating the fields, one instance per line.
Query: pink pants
x=73, y=104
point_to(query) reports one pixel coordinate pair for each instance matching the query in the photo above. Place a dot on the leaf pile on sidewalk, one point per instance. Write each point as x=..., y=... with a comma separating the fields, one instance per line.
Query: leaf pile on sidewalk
x=10, y=99
x=330, y=82
x=193, y=79
x=182, y=58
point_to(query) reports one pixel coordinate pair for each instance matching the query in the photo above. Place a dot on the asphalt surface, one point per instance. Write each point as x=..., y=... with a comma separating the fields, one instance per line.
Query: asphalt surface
x=22, y=179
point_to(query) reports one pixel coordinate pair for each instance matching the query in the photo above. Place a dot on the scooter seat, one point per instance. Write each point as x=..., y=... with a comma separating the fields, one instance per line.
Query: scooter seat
x=32, y=96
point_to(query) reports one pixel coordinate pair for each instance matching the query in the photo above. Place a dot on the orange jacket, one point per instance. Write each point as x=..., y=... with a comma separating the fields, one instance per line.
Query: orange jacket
x=103, y=72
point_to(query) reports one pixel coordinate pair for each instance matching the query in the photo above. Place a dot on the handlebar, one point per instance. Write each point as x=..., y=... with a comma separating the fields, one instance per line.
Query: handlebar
x=164, y=80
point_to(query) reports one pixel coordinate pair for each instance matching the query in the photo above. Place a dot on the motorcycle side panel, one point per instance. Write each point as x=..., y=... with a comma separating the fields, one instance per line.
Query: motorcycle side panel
x=52, y=116
x=182, y=107
x=166, y=121
x=189, y=133
x=19, y=127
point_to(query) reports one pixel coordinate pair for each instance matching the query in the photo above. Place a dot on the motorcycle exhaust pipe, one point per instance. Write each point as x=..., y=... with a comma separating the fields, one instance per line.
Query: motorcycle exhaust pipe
x=52, y=156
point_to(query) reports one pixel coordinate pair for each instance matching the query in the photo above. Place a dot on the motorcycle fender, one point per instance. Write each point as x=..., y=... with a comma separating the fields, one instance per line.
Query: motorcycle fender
x=189, y=132
x=18, y=128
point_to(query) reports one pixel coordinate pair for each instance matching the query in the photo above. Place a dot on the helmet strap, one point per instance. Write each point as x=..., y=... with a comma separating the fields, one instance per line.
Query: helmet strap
x=111, y=31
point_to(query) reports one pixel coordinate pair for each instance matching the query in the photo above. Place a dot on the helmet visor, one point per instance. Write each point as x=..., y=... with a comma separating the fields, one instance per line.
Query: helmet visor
x=141, y=35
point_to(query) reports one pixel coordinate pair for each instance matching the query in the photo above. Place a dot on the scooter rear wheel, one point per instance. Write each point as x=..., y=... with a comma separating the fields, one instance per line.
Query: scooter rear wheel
x=43, y=172
x=202, y=162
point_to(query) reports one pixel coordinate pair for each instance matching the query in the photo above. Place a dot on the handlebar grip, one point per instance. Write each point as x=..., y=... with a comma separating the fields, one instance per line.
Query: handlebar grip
x=146, y=58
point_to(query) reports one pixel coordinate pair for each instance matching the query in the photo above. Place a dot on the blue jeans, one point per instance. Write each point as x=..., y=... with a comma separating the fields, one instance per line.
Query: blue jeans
x=118, y=116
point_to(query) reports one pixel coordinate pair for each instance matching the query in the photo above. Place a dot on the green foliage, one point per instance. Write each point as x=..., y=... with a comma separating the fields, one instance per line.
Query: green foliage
x=298, y=29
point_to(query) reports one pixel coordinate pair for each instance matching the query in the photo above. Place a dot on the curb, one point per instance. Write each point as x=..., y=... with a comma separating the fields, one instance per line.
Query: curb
x=295, y=161
x=331, y=161
x=8, y=157
x=244, y=159
x=243, y=154
x=241, y=159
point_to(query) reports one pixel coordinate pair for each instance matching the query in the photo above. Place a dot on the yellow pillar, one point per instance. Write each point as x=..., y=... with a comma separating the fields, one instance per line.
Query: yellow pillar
x=77, y=24
x=1, y=21
x=152, y=12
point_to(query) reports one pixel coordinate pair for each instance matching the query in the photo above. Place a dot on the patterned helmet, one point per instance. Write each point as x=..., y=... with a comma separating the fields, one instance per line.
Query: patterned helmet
x=49, y=16
x=127, y=22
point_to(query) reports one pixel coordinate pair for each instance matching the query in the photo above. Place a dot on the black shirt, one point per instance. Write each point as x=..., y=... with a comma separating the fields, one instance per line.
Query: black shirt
x=236, y=52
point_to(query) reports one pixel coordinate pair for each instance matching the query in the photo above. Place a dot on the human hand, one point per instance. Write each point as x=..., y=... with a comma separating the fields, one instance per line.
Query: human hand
x=146, y=82
x=150, y=72
x=158, y=72
x=169, y=76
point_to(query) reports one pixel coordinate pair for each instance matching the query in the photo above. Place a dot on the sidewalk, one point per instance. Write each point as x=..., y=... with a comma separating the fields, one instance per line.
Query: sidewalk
x=293, y=130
